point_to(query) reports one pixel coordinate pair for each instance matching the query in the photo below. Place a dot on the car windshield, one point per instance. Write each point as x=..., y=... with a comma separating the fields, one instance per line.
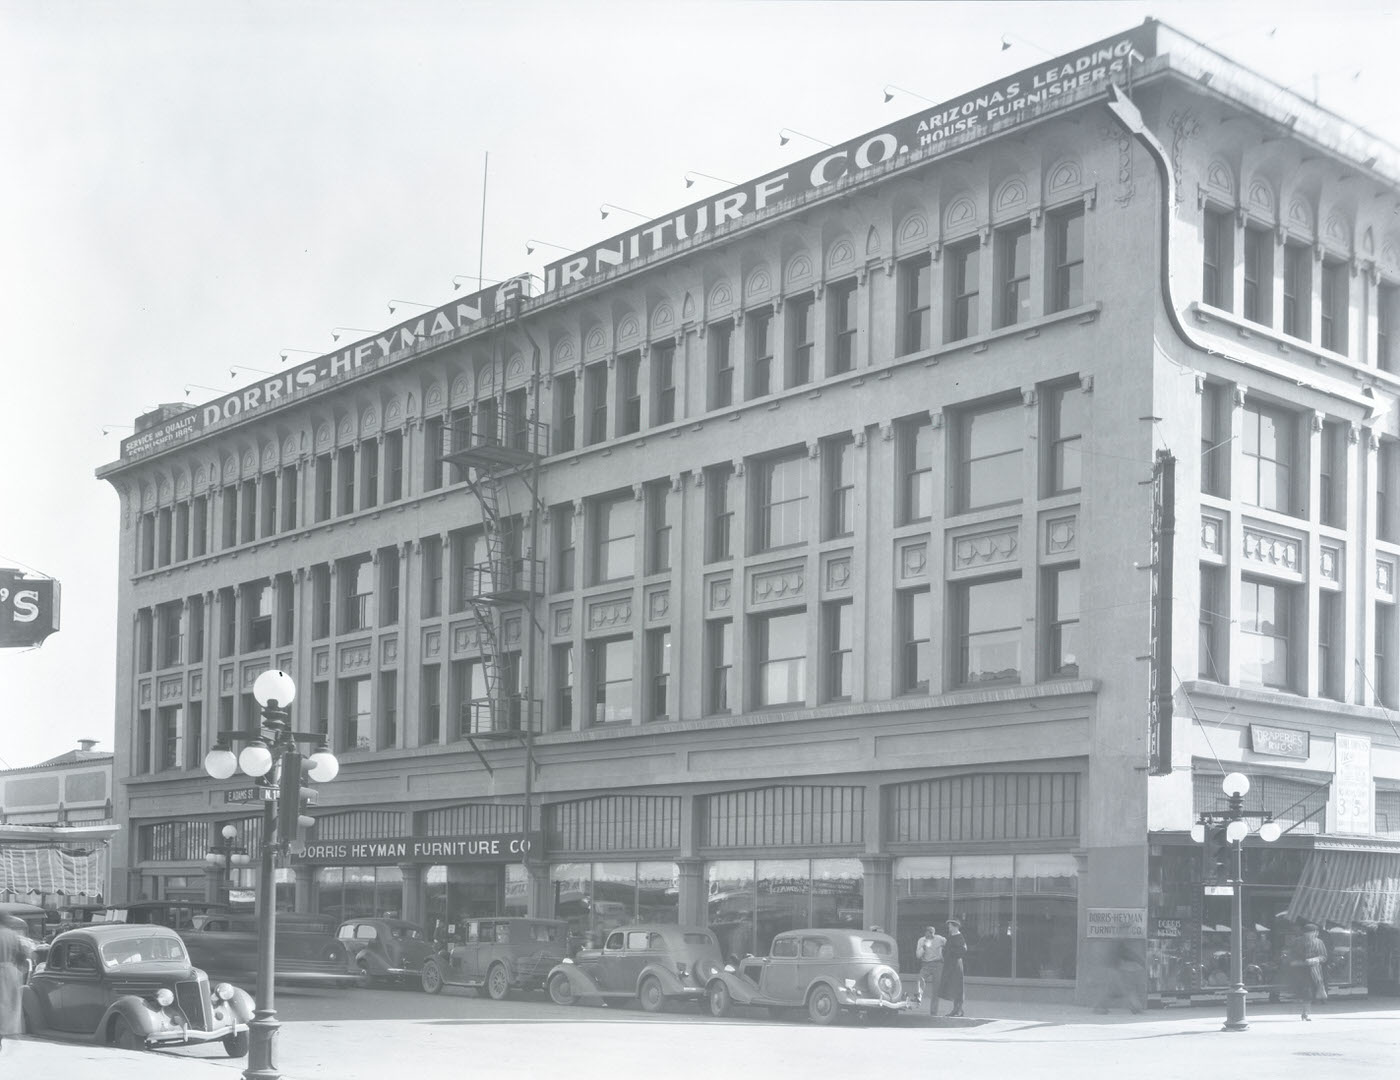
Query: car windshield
x=408, y=933
x=142, y=950
x=872, y=947
x=547, y=932
x=700, y=939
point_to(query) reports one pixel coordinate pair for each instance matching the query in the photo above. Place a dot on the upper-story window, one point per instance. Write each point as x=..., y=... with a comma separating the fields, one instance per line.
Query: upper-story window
x=614, y=536
x=288, y=483
x=199, y=526
x=258, y=603
x=267, y=512
x=663, y=383
x=989, y=442
x=164, y=543
x=517, y=433
x=781, y=501
x=170, y=620
x=1388, y=327
x=629, y=395
x=369, y=473
x=760, y=352
x=801, y=339
x=323, y=486
x=561, y=527
x=987, y=627
x=1335, y=299
x=964, y=274
x=915, y=303
x=228, y=504
x=719, y=513
x=1067, y=258
x=248, y=510
x=914, y=447
x=346, y=464
x=1013, y=273
x=1215, y=441
x=1218, y=263
x=595, y=391
x=841, y=306
x=357, y=594
x=1388, y=490
x=720, y=345
x=565, y=392
x=1297, y=291
x=658, y=527
x=1267, y=632
x=1332, y=475
x=839, y=486
x=1064, y=418
x=1258, y=275
x=1270, y=458
x=393, y=466
x=780, y=658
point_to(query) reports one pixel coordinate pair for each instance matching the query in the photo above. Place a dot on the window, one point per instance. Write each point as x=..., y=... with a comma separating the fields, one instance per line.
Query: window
x=1332, y=468
x=194, y=759
x=595, y=390
x=841, y=303
x=1386, y=658
x=1062, y=611
x=563, y=660
x=285, y=593
x=1269, y=456
x=1297, y=291
x=268, y=512
x=143, y=741
x=465, y=548
x=719, y=663
x=170, y=619
x=663, y=382
x=182, y=531
x=517, y=433
x=324, y=486
x=148, y=542
x=780, y=658
x=369, y=473
x=393, y=466
x=163, y=537
x=614, y=531
x=914, y=618
x=357, y=597
x=345, y=460
x=838, y=470
x=433, y=440
x=565, y=392
x=781, y=494
x=1387, y=323
x=988, y=626
x=629, y=396
x=719, y=513
x=1217, y=279
x=432, y=576
x=288, y=482
x=1329, y=642
x=225, y=714
x=248, y=510
x=1064, y=418
x=430, y=705
x=1334, y=305
x=195, y=619
x=169, y=721
x=321, y=601
x=915, y=456
x=1067, y=258
x=658, y=527
x=838, y=636
x=721, y=363
x=988, y=467
x=1013, y=273
x=760, y=352
x=658, y=673
x=228, y=622
x=610, y=675
x=801, y=334
x=355, y=715
x=470, y=698
x=228, y=503
x=1215, y=441
x=145, y=634
x=388, y=709
x=199, y=526
x=561, y=527
x=915, y=281
x=964, y=270
x=1258, y=275
x=258, y=604
x=1266, y=614
x=389, y=586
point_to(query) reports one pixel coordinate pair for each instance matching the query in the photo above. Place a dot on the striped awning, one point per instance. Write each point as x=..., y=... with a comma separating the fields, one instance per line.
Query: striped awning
x=1348, y=886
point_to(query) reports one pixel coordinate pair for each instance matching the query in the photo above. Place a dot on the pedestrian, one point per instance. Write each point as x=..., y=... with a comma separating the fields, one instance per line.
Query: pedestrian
x=14, y=961
x=1309, y=985
x=1120, y=974
x=951, y=985
x=929, y=952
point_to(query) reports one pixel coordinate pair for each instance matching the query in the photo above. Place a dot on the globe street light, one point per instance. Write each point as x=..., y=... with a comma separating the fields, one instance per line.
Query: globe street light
x=225, y=855
x=271, y=754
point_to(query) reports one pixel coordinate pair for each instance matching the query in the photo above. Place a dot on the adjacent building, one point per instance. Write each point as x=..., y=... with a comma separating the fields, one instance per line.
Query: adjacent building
x=791, y=561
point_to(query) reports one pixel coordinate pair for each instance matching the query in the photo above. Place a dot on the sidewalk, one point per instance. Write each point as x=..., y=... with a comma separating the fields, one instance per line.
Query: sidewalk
x=23, y=1058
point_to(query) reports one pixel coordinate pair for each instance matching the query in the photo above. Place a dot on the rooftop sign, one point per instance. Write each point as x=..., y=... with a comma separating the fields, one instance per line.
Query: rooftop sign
x=28, y=609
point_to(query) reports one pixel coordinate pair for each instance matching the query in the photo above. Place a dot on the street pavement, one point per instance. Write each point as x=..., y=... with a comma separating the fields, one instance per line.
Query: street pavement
x=328, y=1036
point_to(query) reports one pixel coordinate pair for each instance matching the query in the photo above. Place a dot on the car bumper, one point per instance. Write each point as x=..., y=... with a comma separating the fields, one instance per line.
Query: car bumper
x=849, y=1000
x=190, y=1036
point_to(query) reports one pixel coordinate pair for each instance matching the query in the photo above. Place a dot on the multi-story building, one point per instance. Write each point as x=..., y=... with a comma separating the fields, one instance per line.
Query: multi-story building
x=792, y=560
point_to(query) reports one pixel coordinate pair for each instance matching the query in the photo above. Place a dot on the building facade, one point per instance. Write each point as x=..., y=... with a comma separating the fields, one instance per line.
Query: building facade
x=791, y=561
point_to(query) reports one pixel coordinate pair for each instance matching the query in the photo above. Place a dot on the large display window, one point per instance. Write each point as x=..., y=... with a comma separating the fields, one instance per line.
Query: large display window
x=598, y=897
x=347, y=892
x=457, y=892
x=752, y=901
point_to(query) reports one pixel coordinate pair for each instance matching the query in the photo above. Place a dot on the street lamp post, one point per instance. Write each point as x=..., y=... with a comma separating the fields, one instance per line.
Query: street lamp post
x=272, y=752
x=1235, y=821
x=225, y=855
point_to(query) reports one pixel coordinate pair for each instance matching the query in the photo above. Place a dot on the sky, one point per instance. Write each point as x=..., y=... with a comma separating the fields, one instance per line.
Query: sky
x=188, y=186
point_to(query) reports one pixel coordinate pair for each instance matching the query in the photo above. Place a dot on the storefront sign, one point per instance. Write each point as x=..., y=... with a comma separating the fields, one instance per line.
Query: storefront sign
x=1279, y=742
x=1353, y=787
x=355, y=358
x=1008, y=100
x=1166, y=928
x=498, y=847
x=1114, y=922
x=28, y=609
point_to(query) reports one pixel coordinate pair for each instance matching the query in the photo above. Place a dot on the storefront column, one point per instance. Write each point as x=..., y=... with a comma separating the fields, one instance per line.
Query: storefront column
x=412, y=892
x=878, y=891
x=211, y=885
x=694, y=898
x=539, y=898
x=305, y=877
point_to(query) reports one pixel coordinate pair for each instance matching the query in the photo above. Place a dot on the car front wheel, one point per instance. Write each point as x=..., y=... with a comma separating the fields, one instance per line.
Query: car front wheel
x=497, y=984
x=721, y=1001
x=821, y=1005
x=650, y=994
x=432, y=978
x=236, y=1045
x=124, y=1038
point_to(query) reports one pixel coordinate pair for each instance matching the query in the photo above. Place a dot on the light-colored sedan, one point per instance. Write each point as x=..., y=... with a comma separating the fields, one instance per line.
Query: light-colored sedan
x=655, y=964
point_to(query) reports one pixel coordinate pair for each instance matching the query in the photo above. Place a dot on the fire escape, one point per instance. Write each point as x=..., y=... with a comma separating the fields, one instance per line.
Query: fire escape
x=489, y=449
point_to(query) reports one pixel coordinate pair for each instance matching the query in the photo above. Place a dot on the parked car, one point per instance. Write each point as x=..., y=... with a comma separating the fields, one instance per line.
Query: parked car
x=307, y=952
x=132, y=987
x=384, y=948
x=35, y=921
x=176, y=914
x=74, y=916
x=499, y=954
x=655, y=964
x=827, y=972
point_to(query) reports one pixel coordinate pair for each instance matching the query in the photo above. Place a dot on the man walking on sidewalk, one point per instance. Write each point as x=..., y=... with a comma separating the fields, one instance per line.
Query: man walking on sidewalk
x=930, y=955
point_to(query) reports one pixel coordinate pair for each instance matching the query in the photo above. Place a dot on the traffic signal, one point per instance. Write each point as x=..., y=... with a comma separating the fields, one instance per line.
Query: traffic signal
x=289, y=797
x=1220, y=855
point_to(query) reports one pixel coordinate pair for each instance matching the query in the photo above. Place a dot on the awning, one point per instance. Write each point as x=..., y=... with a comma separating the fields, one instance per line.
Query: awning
x=1347, y=886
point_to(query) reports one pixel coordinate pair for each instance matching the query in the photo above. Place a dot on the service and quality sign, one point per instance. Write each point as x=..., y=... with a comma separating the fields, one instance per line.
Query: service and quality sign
x=1006, y=100
x=28, y=609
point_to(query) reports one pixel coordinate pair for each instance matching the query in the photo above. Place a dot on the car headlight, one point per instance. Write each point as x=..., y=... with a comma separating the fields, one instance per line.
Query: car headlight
x=223, y=991
x=849, y=983
x=164, y=998
x=567, y=960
